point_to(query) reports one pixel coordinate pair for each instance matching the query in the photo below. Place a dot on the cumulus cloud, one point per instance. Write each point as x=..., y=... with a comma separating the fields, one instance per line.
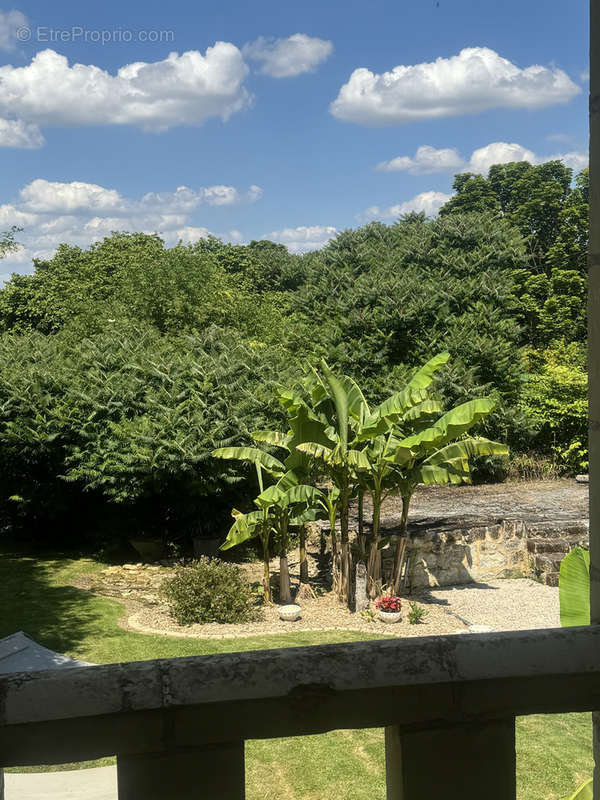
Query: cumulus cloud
x=10, y=22
x=428, y=160
x=80, y=213
x=429, y=202
x=303, y=238
x=504, y=152
x=475, y=80
x=286, y=58
x=16, y=133
x=184, y=89
x=425, y=161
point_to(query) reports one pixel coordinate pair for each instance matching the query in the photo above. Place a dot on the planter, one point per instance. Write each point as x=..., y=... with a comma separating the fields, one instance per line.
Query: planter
x=389, y=616
x=206, y=546
x=149, y=549
x=289, y=613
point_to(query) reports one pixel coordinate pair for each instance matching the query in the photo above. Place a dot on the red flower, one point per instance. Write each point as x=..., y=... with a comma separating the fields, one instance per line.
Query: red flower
x=389, y=603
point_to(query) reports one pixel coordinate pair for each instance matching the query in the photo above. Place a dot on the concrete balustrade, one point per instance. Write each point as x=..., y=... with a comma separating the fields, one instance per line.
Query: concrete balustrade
x=178, y=726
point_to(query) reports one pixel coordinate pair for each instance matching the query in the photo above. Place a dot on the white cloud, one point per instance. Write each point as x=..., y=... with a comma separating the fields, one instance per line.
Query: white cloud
x=184, y=89
x=429, y=202
x=10, y=23
x=16, y=133
x=425, y=161
x=80, y=213
x=585, y=75
x=505, y=152
x=474, y=80
x=428, y=160
x=286, y=58
x=303, y=238
x=47, y=196
x=499, y=153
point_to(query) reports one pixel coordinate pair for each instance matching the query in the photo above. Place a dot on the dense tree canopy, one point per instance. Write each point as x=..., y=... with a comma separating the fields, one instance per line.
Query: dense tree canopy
x=122, y=366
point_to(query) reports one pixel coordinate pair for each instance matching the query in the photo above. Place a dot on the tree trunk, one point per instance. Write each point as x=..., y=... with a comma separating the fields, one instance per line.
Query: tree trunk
x=285, y=594
x=266, y=573
x=345, y=553
x=362, y=545
x=303, y=559
x=400, y=556
x=374, y=566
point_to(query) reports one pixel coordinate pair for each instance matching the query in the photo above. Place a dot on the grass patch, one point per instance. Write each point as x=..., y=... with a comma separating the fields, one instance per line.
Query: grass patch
x=554, y=752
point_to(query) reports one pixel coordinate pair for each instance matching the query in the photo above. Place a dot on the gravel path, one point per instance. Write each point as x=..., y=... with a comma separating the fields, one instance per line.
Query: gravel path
x=502, y=605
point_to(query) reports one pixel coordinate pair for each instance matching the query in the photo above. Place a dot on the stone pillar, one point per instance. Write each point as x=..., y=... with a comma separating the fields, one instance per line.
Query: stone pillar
x=594, y=343
x=458, y=762
x=214, y=772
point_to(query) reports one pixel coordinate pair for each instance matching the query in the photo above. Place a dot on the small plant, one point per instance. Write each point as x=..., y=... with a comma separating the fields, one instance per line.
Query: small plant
x=417, y=614
x=388, y=603
x=209, y=590
x=368, y=614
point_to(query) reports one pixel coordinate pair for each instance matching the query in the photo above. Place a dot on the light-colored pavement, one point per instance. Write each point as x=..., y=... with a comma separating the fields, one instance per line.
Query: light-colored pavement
x=99, y=783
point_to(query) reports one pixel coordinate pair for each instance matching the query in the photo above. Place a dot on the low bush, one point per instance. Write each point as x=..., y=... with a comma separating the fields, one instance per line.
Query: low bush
x=209, y=590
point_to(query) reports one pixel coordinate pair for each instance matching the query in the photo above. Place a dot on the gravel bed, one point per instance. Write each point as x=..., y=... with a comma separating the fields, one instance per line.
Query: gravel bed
x=504, y=605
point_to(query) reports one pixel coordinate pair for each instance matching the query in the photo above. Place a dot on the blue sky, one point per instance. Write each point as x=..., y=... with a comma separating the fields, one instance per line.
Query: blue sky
x=306, y=118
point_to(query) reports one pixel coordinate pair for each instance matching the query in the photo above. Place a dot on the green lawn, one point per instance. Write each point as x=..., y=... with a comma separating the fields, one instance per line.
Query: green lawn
x=36, y=595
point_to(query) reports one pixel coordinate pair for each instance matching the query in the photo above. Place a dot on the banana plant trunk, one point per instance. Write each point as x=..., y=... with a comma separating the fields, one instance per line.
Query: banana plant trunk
x=400, y=556
x=285, y=593
x=374, y=565
x=344, y=582
x=303, y=559
x=266, y=571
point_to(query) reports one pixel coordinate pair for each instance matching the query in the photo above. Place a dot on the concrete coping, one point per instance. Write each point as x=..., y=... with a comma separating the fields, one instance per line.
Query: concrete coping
x=278, y=674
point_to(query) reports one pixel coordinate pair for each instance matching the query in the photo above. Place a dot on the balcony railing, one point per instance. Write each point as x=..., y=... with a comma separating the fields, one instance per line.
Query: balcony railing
x=178, y=726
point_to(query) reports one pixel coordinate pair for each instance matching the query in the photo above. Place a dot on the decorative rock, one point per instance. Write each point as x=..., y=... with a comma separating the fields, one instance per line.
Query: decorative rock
x=582, y=478
x=289, y=613
x=389, y=616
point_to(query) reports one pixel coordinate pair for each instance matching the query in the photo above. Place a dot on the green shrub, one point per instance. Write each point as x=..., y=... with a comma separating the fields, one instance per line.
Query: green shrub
x=209, y=590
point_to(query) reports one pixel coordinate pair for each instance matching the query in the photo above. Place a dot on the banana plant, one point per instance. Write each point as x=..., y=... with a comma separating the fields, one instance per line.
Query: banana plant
x=280, y=506
x=431, y=456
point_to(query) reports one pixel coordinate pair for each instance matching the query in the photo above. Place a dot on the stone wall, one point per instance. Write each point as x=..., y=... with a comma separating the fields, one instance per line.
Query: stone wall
x=443, y=556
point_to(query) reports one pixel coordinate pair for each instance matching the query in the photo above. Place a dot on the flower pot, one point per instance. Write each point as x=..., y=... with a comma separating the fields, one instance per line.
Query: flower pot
x=289, y=613
x=389, y=616
x=207, y=546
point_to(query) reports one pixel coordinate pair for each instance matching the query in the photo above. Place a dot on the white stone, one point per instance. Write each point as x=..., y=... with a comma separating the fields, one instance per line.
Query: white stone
x=389, y=616
x=289, y=613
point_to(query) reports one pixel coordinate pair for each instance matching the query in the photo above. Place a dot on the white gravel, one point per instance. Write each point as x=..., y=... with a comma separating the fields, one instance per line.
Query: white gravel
x=503, y=605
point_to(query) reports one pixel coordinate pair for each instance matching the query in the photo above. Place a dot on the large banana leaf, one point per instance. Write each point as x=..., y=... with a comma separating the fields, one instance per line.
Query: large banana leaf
x=467, y=448
x=271, y=496
x=303, y=493
x=340, y=400
x=251, y=454
x=452, y=424
x=245, y=527
x=423, y=410
x=316, y=450
x=583, y=792
x=306, y=427
x=454, y=472
x=273, y=437
x=358, y=407
x=574, y=588
x=423, y=377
